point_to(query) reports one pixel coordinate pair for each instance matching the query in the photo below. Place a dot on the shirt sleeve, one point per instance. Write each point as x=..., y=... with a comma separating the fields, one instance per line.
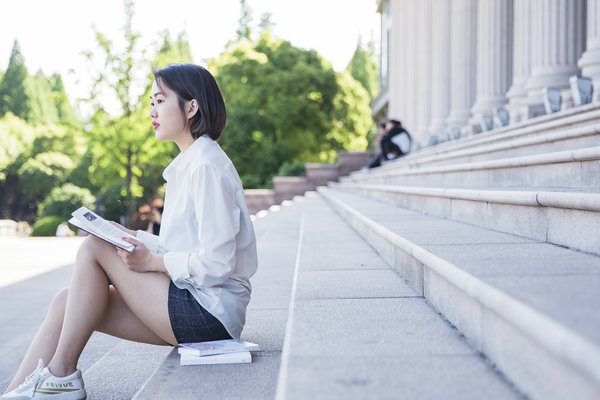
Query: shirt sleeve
x=150, y=240
x=217, y=216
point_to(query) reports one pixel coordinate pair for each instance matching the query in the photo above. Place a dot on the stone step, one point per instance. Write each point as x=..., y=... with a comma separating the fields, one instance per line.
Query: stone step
x=570, y=169
x=566, y=218
x=277, y=233
x=529, y=306
x=121, y=372
x=580, y=118
x=357, y=331
x=512, y=143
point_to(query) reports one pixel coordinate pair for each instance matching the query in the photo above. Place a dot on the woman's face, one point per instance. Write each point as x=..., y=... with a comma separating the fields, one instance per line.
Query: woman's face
x=167, y=118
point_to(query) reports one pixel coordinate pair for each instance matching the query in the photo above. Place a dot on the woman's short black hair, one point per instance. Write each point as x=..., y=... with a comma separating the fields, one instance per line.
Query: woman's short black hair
x=192, y=81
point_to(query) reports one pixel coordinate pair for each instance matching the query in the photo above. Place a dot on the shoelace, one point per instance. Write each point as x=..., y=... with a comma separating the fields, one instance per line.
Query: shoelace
x=33, y=376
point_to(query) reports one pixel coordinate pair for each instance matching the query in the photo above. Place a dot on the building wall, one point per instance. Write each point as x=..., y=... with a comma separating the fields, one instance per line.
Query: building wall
x=453, y=65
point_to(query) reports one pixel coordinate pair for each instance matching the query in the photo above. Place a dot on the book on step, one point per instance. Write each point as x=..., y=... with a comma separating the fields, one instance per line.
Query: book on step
x=217, y=347
x=239, y=357
x=92, y=223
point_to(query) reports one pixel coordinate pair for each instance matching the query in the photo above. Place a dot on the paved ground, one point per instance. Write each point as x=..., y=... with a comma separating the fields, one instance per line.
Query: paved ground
x=23, y=258
x=31, y=271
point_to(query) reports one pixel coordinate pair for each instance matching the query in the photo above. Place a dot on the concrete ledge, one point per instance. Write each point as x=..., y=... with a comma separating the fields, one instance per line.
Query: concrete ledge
x=259, y=199
x=321, y=174
x=579, y=137
x=286, y=187
x=568, y=119
x=540, y=215
x=356, y=331
x=467, y=301
x=577, y=169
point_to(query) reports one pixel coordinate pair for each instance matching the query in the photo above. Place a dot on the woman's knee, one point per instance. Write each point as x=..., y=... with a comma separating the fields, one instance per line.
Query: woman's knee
x=59, y=302
x=92, y=247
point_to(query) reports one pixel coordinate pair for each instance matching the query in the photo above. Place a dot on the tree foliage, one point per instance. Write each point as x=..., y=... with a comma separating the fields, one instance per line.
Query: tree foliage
x=363, y=68
x=286, y=105
x=13, y=93
x=62, y=200
x=244, y=30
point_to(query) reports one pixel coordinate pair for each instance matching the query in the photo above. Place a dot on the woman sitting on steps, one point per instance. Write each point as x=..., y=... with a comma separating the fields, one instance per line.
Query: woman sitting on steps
x=189, y=284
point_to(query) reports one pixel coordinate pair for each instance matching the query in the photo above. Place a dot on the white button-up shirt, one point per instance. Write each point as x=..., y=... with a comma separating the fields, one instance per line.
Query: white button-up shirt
x=206, y=234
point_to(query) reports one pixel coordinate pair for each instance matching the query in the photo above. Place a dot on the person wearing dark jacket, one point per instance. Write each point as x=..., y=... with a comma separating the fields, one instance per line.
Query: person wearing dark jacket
x=396, y=142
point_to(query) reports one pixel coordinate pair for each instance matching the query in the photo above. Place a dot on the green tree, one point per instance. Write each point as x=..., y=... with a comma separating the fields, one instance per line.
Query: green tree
x=244, y=30
x=42, y=108
x=40, y=174
x=62, y=200
x=13, y=93
x=363, y=68
x=16, y=140
x=118, y=143
x=60, y=100
x=285, y=105
x=352, y=123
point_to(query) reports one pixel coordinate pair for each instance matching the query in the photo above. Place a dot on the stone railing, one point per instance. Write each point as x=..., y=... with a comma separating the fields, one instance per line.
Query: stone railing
x=286, y=187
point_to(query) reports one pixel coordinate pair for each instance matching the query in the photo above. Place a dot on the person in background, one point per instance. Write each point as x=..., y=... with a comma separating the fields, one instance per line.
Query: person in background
x=396, y=143
x=189, y=284
x=376, y=160
x=154, y=225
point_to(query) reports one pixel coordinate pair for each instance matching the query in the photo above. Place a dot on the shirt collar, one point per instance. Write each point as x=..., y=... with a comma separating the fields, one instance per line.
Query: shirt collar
x=183, y=159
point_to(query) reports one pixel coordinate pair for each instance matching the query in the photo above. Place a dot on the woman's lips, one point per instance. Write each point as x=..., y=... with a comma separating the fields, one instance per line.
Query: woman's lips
x=156, y=125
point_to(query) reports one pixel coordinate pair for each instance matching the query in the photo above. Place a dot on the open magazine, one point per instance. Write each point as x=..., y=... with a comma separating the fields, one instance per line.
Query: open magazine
x=92, y=223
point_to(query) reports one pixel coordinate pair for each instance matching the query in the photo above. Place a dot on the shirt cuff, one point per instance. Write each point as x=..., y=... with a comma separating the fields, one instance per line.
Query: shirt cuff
x=176, y=264
x=150, y=240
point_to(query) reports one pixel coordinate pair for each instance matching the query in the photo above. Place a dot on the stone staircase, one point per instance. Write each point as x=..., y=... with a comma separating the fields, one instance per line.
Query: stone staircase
x=468, y=270
x=501, y=234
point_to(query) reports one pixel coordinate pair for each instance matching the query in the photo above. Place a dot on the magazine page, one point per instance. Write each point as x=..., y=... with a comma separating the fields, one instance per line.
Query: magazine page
x=94, y=224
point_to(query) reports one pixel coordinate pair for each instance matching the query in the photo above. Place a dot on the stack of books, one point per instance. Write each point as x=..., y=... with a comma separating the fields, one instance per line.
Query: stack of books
x=231, y=351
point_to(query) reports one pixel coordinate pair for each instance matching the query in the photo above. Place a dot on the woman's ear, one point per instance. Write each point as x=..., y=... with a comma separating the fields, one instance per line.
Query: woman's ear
x=191, y=109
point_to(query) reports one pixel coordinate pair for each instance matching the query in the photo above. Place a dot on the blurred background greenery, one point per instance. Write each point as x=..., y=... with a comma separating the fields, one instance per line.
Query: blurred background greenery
x=286, y=107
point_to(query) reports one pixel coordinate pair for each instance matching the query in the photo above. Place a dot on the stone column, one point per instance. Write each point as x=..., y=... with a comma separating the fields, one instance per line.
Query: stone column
x=409, y=121
x=590, y=60
x=400, y=39
x=463, y=44
x=440, y=66
x=423, y=62
x=494, y=57
x=521, y=59
x=557, y=42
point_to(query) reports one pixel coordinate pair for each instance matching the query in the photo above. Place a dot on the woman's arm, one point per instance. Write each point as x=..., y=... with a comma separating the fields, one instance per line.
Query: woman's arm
x=218, y=220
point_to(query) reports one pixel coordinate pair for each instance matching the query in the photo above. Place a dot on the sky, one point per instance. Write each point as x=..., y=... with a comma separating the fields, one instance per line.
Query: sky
x=53, y=34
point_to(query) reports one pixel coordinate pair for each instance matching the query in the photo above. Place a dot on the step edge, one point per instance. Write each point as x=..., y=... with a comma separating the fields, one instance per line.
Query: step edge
x=564, y=343
x=574, y=200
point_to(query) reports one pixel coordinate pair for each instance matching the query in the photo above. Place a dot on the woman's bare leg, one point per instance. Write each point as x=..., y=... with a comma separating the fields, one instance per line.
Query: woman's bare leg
x=135, y=309
x=44, y=343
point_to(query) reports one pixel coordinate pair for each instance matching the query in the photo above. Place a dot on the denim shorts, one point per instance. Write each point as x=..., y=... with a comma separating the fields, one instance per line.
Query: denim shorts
x=190, y=321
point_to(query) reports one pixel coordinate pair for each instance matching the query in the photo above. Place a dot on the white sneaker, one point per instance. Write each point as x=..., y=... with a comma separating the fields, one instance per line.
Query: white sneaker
x=41, y=384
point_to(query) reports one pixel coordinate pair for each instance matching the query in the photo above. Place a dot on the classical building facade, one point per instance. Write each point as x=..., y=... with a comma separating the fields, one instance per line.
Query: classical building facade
x=457, y=67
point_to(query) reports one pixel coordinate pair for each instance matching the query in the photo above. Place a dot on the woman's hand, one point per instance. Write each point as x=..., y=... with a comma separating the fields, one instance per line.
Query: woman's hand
x=141, y=259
